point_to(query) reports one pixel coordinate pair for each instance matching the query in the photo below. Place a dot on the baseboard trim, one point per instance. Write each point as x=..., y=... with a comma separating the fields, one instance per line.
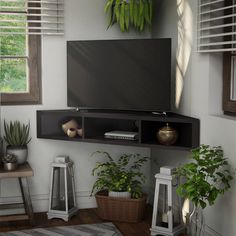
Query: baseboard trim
x=40, y=201
x=211, y=232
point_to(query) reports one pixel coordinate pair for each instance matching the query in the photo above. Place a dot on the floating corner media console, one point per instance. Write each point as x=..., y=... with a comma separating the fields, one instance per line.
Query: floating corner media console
x=122, y=128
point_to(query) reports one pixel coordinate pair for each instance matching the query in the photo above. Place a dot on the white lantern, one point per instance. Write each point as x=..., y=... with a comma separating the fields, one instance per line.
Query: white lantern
x=62, y=202
x=167, y=213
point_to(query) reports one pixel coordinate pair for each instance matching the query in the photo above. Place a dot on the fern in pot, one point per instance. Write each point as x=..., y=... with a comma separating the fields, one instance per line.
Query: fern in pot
x=118, y=188
x=17, y=138
x=121, y=178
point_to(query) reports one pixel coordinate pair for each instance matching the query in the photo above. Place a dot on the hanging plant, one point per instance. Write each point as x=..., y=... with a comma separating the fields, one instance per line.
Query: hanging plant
x=130, y=13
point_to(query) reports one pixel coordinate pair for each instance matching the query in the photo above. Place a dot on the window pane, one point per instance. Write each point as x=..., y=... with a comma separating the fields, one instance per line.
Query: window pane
x=13, y=75
x=12, y=45
x=16, y=5
x=13, y=23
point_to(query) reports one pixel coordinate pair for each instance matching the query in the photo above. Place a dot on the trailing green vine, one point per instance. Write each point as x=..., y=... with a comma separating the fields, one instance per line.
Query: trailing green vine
x=130, y=13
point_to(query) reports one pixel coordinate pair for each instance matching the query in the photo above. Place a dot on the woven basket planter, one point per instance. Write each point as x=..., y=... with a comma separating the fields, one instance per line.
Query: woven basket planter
x=120, y=209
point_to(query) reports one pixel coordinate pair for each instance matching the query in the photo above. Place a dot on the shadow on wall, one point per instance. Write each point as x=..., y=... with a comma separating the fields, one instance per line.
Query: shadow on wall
x=174, y=19
x=184, y=47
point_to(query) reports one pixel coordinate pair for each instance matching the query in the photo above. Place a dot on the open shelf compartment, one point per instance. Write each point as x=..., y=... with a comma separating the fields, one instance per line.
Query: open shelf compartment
x=95, y=128
x=151, y=128
x=49, y=124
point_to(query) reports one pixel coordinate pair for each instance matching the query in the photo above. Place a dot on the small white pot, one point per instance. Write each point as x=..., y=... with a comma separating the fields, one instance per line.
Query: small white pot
x=21, y=153
x=119, y=194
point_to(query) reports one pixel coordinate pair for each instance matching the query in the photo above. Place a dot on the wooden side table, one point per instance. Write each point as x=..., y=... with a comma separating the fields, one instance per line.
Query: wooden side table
x=22, y=173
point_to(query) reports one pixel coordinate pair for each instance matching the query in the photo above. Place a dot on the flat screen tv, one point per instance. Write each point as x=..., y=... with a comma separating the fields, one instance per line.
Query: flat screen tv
x=119, y=74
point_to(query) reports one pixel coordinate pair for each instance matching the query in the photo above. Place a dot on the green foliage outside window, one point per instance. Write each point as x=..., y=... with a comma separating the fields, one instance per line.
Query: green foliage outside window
x=13, y=58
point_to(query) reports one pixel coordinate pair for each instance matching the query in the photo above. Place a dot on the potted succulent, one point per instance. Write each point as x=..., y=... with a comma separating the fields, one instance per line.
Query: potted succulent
x=126, y=13
x=206, y=177
x=118, y=187
x=9, y=162
x=17, y=138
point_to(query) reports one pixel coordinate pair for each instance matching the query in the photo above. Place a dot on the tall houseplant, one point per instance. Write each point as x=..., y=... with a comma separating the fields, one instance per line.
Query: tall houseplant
x=17, y=138
x=207, y=177
x=130, y=13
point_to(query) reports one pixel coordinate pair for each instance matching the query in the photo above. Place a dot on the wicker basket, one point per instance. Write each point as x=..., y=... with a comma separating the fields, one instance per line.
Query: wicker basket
x=120, y=209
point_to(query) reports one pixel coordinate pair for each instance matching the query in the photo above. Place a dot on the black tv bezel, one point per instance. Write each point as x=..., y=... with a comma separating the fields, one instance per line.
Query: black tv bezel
x=112, y=109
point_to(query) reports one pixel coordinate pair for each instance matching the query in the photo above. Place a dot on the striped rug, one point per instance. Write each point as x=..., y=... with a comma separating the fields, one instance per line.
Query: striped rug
x=104, y=229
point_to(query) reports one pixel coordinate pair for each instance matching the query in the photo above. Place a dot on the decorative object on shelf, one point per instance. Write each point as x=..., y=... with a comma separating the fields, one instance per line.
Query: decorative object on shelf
x=62, y=202
x=9, y=162
x=167, y=135
x=17, y=138
x=210, y=173
x=71, y=132
x=71, y=124
x=167, y=214
x=123, y=175
x=80, y=132
x=130, y=13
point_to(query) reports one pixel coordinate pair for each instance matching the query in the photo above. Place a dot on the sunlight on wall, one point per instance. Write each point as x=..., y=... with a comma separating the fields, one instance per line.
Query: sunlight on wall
x=185, y=32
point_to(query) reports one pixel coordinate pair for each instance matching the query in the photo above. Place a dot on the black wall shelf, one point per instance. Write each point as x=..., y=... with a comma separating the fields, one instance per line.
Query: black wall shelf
x=95, y=124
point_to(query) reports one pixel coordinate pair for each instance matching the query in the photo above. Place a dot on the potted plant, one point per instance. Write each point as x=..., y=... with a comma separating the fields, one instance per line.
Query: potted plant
x=17, y=138
x=122, y=176
x=126, y=13
x=9, y=162
x=207, y=176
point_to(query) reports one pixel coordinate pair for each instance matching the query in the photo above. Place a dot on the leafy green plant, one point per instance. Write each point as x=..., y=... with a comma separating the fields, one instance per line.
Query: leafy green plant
x=121, y=175
x=126, y=13
x=207, y=176
x=16, y=134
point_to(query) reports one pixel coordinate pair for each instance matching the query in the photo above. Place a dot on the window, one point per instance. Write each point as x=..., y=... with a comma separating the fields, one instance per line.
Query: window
x=229, y=84
x=22, y=22
x=217, y=33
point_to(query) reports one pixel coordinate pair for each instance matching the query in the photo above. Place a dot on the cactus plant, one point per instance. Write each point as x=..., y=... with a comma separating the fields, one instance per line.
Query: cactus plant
x=16, y=134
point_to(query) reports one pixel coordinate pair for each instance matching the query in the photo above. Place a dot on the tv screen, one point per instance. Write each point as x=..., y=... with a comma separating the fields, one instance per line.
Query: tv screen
x=119, y=74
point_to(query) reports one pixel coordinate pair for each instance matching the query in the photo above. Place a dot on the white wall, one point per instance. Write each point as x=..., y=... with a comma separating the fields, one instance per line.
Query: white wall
x=199, y=95
x=84, y=19
x=201, y=98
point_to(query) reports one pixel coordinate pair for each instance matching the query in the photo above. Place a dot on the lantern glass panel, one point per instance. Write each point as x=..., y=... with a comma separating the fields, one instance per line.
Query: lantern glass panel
x=162, y=207
x=71, y=202
x=58, y=190
x=176, y=207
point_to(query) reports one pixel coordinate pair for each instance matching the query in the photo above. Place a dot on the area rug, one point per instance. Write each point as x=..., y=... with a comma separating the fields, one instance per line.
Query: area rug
x=104, y=229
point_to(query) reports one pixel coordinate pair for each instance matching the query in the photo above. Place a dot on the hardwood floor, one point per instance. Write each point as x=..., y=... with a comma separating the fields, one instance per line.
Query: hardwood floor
x=85, y=216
